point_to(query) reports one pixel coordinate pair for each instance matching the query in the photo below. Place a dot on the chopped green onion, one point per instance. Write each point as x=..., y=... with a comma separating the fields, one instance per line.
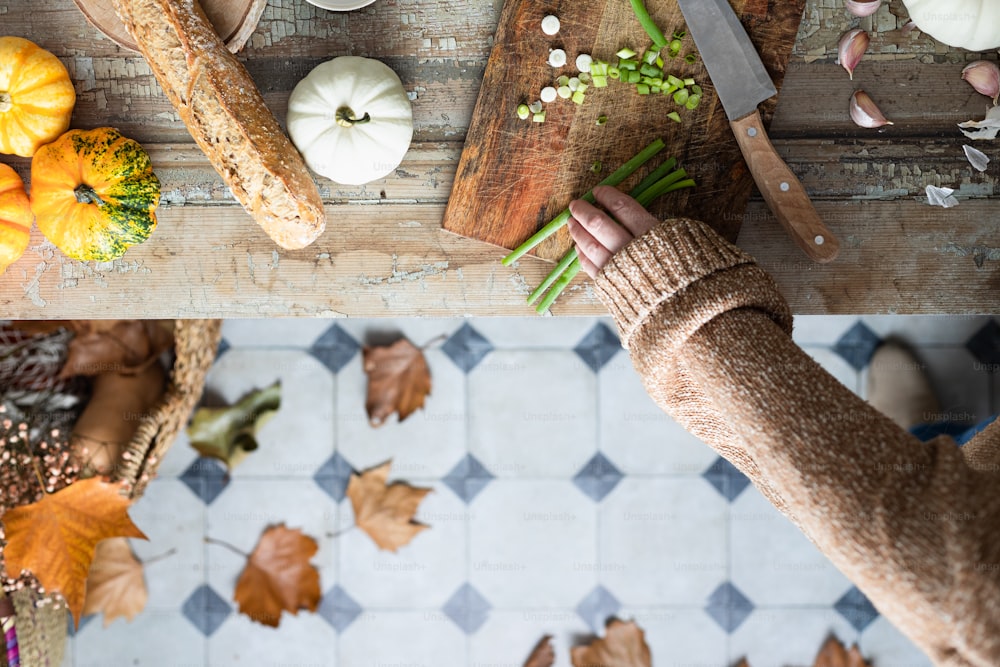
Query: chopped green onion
x=523, y=111
x=628, y=64
x=614, y=73
x=681, y=97
x=669, y=90
x=574, y=83
x=650, y=70
x=674, y=48
x=680, y=34
x=655, y=34
x=600, y=82
x=535, y=107
x=696, y=90
x=584, y=77
x=602, y=119
x=633, y=77
x=691, y=58
x=674, y=81
x=674, y=116
x=548, y=94
x=582, y=88
x=539, y=117
x=595, y=166
x=659, y=62
x=654, y=89
x=693, y=102
x=649, y=57
x=689, y=82
x=564, y=92
x=625, y=53
x=578, y=97
x=614, y=178
x=583, y=62
x=642, y=89
x=563, y=80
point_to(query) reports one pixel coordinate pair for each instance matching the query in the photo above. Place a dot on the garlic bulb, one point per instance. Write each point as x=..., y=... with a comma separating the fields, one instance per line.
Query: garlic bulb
x=864, y=111
x=863, y=7
x=852, y=49
x=984, y=76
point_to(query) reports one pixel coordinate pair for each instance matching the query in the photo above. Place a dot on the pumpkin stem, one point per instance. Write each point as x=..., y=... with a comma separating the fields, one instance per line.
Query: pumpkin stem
x=346, y=117
x=86, y=195
x=5, y=101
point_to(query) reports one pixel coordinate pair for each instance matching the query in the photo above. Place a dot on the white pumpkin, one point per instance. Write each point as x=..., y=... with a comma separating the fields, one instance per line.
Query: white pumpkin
x=351, y=120
x=968, y=24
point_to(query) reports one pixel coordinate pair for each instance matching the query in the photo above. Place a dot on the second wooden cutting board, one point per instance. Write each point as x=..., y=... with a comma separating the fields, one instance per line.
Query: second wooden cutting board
x=515, y=175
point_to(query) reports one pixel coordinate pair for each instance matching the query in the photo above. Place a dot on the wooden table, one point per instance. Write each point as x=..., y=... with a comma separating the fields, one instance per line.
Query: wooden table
x=384, y=252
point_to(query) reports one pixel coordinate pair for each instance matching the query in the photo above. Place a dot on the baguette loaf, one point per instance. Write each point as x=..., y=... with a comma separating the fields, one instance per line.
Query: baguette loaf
x=225, y=113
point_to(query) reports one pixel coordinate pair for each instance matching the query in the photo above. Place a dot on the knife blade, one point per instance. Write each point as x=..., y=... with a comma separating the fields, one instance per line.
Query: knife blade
x=742, y=83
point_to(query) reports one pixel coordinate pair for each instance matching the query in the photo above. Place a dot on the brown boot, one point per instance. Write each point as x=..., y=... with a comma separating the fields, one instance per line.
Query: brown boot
x=898, y=386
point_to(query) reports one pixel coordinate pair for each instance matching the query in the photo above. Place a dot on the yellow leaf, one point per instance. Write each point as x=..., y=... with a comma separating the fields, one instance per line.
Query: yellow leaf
x=55, y=538
x=385, y=512
x=278, y=576
x=116, y=585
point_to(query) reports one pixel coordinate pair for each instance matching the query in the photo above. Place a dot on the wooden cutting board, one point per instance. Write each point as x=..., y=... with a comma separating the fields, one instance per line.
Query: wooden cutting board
x=514, y=175
x=234, y=20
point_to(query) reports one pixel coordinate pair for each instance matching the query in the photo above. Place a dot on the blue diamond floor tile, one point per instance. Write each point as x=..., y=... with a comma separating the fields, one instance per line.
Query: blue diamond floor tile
x=598, y=477
x=726, y=479
x=466, y=347
x=339, y=609
x=221, y=350
x=985, y=344
x=333, y=476
x=857, y=345
x=468, y=478
x=206, y=478
x=728, y=607
x=72, y=629
x=335, y=348
x=856, y=608
x=597, y=608
x=467, y=608
x=598, y=347
x=206, y=609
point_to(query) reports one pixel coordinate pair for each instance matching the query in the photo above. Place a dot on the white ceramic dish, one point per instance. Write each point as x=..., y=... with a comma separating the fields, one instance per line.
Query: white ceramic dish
x=340, y=5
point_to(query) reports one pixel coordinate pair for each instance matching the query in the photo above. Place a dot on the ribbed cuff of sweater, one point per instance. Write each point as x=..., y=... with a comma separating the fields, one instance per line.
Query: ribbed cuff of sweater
x=670, y=260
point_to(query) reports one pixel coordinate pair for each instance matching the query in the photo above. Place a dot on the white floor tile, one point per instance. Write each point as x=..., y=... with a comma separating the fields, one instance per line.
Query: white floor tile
x=639, y=437
x=296, y=441
x=962, y=386
x=242, y=512
x=883, y=645
x=835, y=365
x=296, y=332
x=179, y=456
x=532, y=413
x=428, y=443
x=783, y=637
x=173, y=519
x=69, y=653
x=144, y=642
x=305, y=639
x=821, y=329
x=679, y=637
x=414, y=639
x=662, y=542
x=927, y=329
x=419, y=330
x=773, y=563
x=421, y=575
x=508, y=637
x=536, y=332
x=532, y=544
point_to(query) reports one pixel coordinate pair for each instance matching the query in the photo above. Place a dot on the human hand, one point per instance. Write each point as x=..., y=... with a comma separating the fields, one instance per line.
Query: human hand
x=600, y=234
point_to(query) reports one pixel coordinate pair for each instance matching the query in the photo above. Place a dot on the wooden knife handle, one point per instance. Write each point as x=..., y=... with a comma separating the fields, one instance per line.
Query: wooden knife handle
x=783, y=192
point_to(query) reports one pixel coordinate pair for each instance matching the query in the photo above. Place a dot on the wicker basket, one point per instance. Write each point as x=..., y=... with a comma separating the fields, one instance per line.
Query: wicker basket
x=41, y=630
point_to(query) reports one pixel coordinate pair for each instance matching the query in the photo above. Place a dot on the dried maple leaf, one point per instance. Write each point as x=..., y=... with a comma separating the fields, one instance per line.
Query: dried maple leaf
x=278, y=576
x=543, y=655
x=116, y=585
x=385, y=512
x=624, y=645
x=833, y=654
x=229, y=434
x=55, y=538
x=398, y=380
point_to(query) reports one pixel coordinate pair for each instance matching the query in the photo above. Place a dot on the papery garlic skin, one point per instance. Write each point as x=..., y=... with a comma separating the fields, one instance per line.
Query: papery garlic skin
x=863, y=7
x=984, y=76
x=864, y=111
x=852, y=49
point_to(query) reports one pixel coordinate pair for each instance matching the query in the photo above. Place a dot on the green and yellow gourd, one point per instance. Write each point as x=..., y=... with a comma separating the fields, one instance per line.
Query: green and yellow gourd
x=94, y=193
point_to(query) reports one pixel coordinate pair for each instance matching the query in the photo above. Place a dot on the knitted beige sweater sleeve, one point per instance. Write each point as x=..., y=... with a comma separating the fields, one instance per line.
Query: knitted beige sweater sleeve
x=915, y=525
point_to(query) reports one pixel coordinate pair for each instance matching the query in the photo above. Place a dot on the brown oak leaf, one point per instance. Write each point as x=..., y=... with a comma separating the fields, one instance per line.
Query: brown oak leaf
x=116, y=585
x=833, y=654
x=398, y=380
x=55, y=538
x=383, y=511
x=624, y=645
x=278, y=576
x=543, y=655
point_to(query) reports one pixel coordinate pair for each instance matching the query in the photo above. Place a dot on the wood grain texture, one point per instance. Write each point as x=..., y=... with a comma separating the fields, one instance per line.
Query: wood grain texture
x=234, y=20
x=783, y=192
x=515, y=175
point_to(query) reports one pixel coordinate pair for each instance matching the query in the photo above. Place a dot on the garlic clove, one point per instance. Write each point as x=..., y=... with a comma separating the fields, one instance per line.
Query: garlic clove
x=852, y=49
x=863, y=7
x=864, y=111
x=984, y=76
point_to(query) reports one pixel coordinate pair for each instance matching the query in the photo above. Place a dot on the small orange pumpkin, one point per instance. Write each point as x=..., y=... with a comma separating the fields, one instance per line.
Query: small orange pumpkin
x=36, y=97
x=15, y=217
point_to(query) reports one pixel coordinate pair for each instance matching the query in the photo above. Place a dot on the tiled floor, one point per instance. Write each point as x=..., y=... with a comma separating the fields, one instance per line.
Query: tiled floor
x=562, y=496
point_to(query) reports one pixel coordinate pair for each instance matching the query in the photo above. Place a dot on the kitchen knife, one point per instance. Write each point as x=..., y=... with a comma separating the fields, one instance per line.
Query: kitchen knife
x=742, y=83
